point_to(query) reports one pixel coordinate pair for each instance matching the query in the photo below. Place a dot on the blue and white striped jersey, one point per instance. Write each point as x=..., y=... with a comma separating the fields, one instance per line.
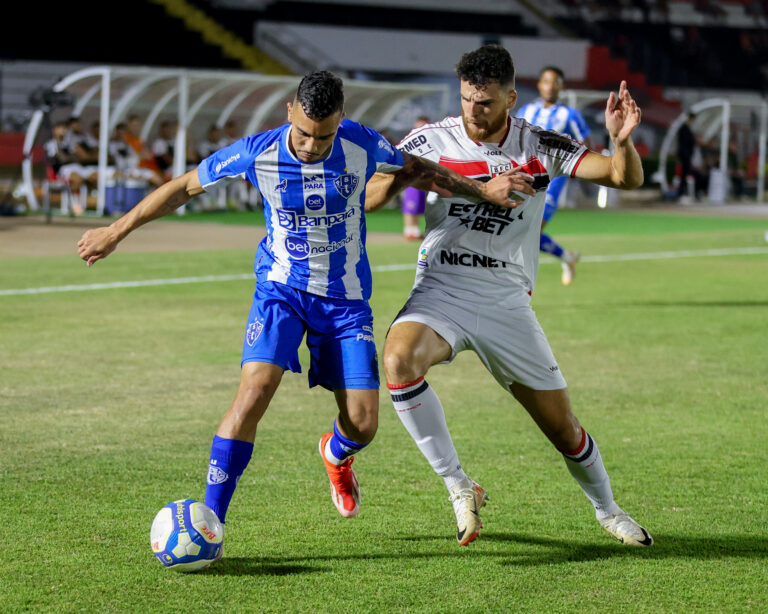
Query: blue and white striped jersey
x=559, y=117
x=314, y=212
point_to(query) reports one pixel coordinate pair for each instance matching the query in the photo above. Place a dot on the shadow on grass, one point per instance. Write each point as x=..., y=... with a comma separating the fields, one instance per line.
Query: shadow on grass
x=551, y=550
x=525, y=550
x=258, y=566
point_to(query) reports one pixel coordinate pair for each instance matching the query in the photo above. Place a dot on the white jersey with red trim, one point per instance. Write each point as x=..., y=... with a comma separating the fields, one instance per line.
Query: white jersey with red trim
x=481, y=249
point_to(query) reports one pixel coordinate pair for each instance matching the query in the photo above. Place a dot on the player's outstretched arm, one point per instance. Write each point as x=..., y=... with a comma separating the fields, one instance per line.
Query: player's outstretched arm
x=380, y=189
x=426, y=175
x=623, y=169
x=98, y=243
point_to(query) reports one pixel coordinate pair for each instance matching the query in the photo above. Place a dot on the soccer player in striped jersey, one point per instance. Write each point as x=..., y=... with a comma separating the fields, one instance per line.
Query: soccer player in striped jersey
x=312, y=271
x=477, y=270
x=549, y=113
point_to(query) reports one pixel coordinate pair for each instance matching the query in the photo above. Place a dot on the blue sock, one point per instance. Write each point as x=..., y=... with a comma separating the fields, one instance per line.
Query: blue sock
x=550, y=246
x=341, y=448
x=229, y=458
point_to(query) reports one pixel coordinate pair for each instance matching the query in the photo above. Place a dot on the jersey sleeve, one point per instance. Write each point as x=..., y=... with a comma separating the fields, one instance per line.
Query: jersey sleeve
x=557, y=152
x=422, y=142
x=577, y=126
x=232, y=162
x=388, y=159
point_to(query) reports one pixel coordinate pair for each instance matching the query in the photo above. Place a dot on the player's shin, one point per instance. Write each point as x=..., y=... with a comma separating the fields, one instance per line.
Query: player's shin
x=229, y=458
x=586, y=466
x=421, y=413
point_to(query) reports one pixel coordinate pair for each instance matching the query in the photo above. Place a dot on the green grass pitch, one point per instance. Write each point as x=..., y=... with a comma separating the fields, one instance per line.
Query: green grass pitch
x=109, y=399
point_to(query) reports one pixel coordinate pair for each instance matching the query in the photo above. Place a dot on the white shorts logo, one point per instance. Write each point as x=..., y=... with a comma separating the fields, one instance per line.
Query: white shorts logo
x=216, y=475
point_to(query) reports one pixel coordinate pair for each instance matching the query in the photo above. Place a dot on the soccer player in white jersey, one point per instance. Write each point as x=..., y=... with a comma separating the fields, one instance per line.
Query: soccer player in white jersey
x=312, y=272
x=549, y=113
x=475, y=274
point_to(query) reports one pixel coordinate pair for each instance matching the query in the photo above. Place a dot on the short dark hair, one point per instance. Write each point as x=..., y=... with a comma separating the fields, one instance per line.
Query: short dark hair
x=320, y=94
x=558, y=71
x=488, y=64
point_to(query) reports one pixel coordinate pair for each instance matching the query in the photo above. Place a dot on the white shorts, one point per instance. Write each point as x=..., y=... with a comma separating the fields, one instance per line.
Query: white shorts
x=508, y=340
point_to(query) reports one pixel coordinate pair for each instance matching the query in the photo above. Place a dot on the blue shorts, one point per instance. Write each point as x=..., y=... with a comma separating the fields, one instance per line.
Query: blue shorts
x=339, y=336
x=553, y=195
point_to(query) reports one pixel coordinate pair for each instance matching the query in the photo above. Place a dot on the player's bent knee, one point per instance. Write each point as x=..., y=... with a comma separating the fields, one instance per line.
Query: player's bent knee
x=403, y=367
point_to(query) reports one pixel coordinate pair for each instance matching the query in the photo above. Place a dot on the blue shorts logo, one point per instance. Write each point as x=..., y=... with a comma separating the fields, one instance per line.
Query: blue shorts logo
x=253, y=332
x=315, y=202
x=346, y=184
x=297, y=248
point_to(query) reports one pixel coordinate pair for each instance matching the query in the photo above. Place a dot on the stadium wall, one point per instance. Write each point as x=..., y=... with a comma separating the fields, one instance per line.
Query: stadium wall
x=409, y=52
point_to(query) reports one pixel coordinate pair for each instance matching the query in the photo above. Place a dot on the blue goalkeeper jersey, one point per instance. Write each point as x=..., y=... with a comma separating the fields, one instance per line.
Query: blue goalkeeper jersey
x=559, y=117
x=314, y=212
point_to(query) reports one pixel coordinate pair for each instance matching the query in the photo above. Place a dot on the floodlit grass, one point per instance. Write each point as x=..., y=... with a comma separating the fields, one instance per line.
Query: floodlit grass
x=109, y=399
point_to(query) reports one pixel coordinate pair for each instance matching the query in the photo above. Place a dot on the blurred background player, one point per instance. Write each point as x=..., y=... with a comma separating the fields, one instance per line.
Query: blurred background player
x=549, y=113
x=414, y=202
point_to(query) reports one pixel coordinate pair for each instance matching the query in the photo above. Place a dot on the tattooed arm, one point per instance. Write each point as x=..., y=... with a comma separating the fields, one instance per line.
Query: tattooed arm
x=428, y=176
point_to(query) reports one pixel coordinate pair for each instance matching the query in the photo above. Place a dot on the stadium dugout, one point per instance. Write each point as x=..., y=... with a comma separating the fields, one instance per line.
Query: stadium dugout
x=195, y=99
x=715, y=116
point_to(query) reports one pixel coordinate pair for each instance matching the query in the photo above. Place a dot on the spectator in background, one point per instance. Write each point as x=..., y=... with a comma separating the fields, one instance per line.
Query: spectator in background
x=81, y=170
x=56, y=151
x=127, y=161
x=231, y=133
x=736, y=170
x=163, y=146
x=414, y=202
x=133, y=138
x=686, y=146
x=210, y=144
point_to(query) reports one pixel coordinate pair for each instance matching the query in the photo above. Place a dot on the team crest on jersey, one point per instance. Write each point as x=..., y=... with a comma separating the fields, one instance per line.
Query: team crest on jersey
x=282, y=186
x=498, y=169
x=216, y=475
x=253, y=332
x=346, y=184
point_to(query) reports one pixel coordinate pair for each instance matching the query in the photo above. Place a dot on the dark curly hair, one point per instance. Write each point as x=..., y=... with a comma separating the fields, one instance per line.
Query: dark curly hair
x=488, y=64
x=321, y=94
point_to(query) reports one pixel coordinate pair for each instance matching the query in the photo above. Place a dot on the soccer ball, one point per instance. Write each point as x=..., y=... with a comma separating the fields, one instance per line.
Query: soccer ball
x=186, y=535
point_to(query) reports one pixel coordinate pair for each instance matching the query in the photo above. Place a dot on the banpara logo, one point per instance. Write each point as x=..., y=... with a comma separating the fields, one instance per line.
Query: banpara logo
x=315, y=202
x=297, y=248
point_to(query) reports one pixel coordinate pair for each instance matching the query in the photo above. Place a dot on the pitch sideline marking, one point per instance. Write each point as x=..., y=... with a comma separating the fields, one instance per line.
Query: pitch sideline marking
x=728, y=251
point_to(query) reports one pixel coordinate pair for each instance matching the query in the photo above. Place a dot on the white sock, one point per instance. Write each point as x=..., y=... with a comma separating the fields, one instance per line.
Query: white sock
x=422, y=415
x=586, y=467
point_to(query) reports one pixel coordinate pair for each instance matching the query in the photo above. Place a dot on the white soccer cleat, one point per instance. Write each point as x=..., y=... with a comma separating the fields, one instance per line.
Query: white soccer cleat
x=467, y=498
x=569, y=265
x=621, y=526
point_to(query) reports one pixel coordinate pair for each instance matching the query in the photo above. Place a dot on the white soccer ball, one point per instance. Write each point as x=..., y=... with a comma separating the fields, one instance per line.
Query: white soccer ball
x=186, y=535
